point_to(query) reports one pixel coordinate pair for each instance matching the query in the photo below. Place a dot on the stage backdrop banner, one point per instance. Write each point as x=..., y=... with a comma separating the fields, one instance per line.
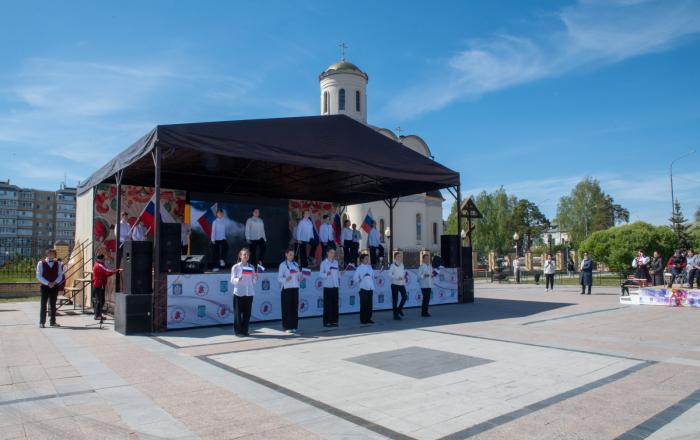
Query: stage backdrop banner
x=207, y=299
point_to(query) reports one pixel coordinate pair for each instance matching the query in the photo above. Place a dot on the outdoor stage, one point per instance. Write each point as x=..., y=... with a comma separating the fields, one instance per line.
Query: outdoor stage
x=197, y=300
x=663, y=296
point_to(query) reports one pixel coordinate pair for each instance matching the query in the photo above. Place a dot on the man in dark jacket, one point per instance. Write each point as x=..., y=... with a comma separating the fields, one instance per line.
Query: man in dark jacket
x=677, y=265
x=656, y=270
x=586, y=271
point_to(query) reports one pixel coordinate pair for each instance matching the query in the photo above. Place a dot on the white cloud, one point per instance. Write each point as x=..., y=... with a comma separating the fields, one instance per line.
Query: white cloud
x=589, y=34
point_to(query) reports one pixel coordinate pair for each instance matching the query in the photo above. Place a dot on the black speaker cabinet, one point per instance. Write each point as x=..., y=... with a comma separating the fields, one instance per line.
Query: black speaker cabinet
x=193, y=263
x=170, y=247
x=132, y=313
x=467, y=266
x=449, y=247
x=137, y=262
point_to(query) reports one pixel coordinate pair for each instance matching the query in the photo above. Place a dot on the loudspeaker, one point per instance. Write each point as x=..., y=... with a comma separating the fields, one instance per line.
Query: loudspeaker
x=137, y=262
x=467, y=268
x=170, y=247
x=449, y=249
x=193, y=263
x=132, y=313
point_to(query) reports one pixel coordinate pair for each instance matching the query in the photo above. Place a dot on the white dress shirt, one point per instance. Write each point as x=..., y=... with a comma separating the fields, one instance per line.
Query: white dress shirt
x=330, y=274
x=397, y=273
x=550, y=268
x=287, y=269
x=356, y=235
x=346, y=234
x=40, y=272
x=373, y=238
x=640, y=261
x=255, y=229
x=425, y=276
x=305, y=230
x=218, y=229
x=124, y=228
x=139, y=233
x=325, y=233
x=364, y=277
x=243, y=284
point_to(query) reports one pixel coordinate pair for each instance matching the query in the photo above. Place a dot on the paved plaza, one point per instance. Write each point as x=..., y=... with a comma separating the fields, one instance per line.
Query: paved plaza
x=519, y=363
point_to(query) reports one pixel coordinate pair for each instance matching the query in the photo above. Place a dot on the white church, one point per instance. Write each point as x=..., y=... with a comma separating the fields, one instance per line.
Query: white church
x=418, y=218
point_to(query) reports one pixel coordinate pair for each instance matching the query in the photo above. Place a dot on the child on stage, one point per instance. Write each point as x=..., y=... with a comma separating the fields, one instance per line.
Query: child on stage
x=364, y=277
x=348, y=250
x=289, y=277
x=218, y=240
x=331, y=283
x=425, y=279
x=243, y=279
x=397, y=274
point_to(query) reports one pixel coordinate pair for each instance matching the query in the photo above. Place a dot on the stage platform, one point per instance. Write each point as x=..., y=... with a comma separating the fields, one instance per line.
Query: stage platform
x=197, y=300
x=663, y=296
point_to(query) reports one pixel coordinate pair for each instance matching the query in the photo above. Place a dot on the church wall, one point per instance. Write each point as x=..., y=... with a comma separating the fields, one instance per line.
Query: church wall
x=350, y=83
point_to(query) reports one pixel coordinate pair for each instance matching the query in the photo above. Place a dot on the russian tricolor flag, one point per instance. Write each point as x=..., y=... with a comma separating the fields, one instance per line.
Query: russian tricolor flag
x=247, y=271
x=367, y=222
x=207, y=219
x=148, y=215
x=306, y=271
x=436, y=272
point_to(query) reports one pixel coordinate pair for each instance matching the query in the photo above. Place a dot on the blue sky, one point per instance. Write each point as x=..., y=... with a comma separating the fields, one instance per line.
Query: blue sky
x=533, y=96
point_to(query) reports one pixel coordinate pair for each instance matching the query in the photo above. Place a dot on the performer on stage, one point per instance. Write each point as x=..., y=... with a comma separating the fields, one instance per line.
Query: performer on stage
x=305, y=234
x=641, y=266
x=243, y=278
x=100, y=273
x=657, y=270
x=692, y=262
x=425, y=279
x=139, y=232
x=398, y=275
x=364, y=277
x=255, y=236
x=586, y=273
x=124, y=228
x=550, y=269
x=325, y=234
x=373, y=244
x=218, y=240
x=184, y=236
x=331, y=283
x=346, y=236
x=289, y=276
x=50, y=274
x=356, y=238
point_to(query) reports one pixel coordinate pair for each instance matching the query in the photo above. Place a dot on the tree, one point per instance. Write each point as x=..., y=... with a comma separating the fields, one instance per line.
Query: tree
x=617, y=246
x=680, y=227
x=588, y=209
x=697, y=215
x=528, y=221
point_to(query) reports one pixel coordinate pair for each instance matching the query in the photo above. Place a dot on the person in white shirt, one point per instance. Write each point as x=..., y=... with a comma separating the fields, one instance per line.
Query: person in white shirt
x=289, y=275
x=49, y=273
x=140, y=232
x=305, y=234
x=516, y=269
x=243, y=278
x=346, y=239
x=641, y=266
x=373, y=243
x=397, y=274
x=255, y=236
x=124, y=228
x=425, y=279
x=325, y=235
x=331, y=282
x=364, y=278
x=550, y=268
x=218, y=240
x=356, y=239
x=184, y=236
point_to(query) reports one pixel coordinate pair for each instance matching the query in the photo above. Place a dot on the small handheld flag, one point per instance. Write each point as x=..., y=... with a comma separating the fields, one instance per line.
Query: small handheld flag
x=306, y=271
x=261, y=268
x=436, y=272
x=247, y=271
x=350, y=266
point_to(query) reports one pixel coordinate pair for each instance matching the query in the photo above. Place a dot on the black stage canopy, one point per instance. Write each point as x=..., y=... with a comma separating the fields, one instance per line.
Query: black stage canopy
x=329, y=158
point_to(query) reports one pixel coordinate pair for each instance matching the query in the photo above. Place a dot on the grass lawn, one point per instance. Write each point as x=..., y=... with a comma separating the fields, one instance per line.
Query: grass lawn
x=23, y=298
x=605, y=280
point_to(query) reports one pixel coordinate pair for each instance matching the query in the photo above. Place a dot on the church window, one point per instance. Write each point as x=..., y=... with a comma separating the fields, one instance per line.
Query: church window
x=341, y=100
x=381, y=230
x=325, y=103
x=419, y=227
x=357, y=101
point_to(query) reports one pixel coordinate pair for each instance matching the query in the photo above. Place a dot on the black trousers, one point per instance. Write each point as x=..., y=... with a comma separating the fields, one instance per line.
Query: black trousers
x=48, y=295
x=355, y=252
x=325, y=247
x=397, y=306
x=365, y=306
x=694, y=277
x=304, y=254
x=549, y=280
x=98, y=300
x=257, y=251
x=330, y=305
x=657, y=279
x=242, y=306
x=290, y=308
x=373, y=257
x=426, y=291
x=583, y=288
x=184, y=249
x=220, y=252
x=348, y=252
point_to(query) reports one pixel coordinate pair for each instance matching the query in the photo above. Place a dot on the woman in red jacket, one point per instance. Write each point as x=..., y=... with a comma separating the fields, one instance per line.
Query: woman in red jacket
x=100, y=273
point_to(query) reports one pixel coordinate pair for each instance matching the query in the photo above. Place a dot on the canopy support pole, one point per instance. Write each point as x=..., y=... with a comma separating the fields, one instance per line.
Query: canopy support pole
x=156, y=316
x=460, y=271
x=391, y=204
x=118, y=178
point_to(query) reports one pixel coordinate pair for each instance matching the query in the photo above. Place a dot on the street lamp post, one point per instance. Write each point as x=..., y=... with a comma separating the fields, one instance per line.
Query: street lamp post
x=670, y=172
x=387, y=234
x=516, y=261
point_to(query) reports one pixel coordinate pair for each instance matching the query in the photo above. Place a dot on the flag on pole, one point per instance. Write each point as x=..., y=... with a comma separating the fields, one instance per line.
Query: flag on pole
x=207, y=219
x=367, y=222
x=261, y=268
x=148, y=215
x=337, y=229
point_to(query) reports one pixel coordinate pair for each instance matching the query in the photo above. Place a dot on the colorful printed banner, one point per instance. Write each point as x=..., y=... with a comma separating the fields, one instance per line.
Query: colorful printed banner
x=661, y=296
x=206, y=299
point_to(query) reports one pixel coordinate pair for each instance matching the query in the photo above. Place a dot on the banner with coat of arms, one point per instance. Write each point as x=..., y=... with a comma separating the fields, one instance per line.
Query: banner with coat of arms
x=198, y=300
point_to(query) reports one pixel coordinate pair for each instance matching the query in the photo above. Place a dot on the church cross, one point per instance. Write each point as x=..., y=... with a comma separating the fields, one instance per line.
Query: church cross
x=342, y=46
